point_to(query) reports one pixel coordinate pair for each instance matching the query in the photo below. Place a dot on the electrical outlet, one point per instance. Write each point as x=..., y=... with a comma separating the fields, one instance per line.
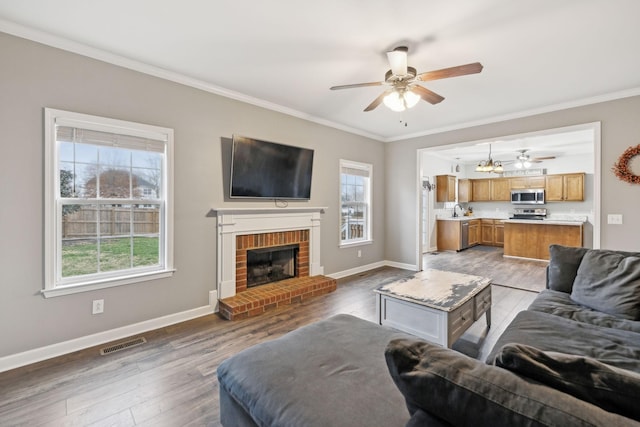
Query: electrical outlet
x=614, y=219
x=359, y=253
x=98, y=306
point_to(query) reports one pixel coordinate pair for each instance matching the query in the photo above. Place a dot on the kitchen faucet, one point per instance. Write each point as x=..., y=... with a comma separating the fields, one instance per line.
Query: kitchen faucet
x=454, y=209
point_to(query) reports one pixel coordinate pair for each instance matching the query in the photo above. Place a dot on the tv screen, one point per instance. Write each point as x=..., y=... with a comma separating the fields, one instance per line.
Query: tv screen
x=262, y=169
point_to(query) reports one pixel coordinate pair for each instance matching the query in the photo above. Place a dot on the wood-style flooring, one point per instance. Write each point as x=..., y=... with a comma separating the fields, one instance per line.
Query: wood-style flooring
x=171, y=380
x=488, y=261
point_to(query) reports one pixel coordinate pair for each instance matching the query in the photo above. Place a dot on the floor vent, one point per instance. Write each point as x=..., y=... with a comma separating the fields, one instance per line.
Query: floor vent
x=122, y=346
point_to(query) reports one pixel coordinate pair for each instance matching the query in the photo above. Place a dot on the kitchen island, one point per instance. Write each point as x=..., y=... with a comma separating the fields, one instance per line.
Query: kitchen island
x=531, y=239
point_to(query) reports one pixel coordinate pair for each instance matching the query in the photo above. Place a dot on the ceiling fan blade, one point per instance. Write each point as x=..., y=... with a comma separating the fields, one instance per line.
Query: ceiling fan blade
x=377, y=101
x=460, y=70
x=543, y=158
x=356, y=85
x=426, y=94
x=398, y=60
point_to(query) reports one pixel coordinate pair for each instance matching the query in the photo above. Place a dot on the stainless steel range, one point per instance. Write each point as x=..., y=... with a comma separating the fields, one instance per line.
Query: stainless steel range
x=529, y=213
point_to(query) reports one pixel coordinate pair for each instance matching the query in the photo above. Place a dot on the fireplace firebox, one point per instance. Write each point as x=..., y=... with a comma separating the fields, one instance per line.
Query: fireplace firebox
x=272, y=264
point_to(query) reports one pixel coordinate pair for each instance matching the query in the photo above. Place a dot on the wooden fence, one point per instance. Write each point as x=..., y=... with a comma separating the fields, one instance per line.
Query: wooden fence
x=114, y=221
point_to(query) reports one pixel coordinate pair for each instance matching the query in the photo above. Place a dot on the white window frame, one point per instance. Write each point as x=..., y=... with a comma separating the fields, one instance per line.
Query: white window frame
x=367, y=237
x=54, y=285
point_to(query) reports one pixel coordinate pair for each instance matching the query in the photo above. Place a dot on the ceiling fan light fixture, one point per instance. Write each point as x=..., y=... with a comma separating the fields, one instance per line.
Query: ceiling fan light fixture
x=411, y=99
x=398, y=61
x=394, y=101
x=400, y=100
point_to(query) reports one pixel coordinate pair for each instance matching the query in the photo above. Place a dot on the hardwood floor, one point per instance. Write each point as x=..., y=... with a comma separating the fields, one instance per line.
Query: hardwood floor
x=171, y=380
x=488, y=261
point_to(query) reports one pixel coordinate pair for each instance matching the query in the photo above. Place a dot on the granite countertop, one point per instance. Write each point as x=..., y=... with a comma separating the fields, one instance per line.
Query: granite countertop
x=545, y=221
x=467, y=218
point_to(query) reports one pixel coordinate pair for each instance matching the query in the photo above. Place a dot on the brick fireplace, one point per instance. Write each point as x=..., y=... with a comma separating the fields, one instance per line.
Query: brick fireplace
x=244, y=230
x=246, y=243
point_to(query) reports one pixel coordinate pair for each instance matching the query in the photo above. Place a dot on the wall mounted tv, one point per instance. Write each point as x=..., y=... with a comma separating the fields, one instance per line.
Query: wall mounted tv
x=262, y=169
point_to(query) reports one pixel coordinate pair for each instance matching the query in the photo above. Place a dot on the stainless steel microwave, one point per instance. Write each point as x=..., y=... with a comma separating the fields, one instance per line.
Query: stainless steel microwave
x=533, y=196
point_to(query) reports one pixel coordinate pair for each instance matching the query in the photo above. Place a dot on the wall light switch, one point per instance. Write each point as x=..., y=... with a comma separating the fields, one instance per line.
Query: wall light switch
x=614, y=219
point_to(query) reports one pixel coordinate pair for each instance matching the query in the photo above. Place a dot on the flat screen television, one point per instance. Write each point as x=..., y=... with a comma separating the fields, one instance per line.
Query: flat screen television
x=262, y=169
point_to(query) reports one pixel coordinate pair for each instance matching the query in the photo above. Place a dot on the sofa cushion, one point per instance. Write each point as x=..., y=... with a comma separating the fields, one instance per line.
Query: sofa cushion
x=329, y=373
x=561, y=304
x=553, y=333
x=563, y=266
x=466, y=392
x=610, y=282
x=612, y=389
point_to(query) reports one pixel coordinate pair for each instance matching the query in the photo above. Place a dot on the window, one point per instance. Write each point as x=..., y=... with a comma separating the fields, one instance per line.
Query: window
x=108, y=202
x=355, y=202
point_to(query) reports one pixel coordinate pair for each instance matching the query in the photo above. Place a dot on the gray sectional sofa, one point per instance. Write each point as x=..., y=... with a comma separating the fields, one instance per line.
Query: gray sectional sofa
x=571, y=359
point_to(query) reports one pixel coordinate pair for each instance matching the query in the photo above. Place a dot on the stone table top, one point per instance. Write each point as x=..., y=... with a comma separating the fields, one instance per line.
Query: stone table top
x=442, y=290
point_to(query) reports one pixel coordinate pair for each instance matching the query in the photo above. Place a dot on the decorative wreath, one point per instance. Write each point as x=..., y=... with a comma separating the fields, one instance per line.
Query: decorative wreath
x=621, y=169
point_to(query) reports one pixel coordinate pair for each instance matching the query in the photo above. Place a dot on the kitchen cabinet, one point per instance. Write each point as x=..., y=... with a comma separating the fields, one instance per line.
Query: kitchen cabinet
x=532, y=240
x=481, y=190
x=524, y=182
x=498, y=232
x=464, y=191
x=445, y=188
x=450, y=233
x=564, y=187
x=492, y=232
x=474, y=232
x=486, y=232
x=500, y=190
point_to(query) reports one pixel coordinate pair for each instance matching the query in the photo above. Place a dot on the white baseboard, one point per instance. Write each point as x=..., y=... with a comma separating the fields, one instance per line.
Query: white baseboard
x=363, y=268
x=401, y=265
x=43, y=353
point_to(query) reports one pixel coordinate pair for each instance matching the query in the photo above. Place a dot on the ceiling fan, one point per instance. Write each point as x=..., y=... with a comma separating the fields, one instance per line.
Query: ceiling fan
x=524, y=160
x=404, y=91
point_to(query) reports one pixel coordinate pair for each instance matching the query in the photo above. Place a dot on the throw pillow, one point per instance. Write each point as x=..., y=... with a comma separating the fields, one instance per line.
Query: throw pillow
x=563, y=267
x=466, y=392
x=608, y=281
x=612, y=389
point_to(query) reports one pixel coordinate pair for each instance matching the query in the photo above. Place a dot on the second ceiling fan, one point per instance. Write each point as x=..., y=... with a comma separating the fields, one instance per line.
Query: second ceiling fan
x=404, y=89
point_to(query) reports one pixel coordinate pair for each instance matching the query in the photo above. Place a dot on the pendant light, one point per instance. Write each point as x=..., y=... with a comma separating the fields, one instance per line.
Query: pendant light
x=489, y=165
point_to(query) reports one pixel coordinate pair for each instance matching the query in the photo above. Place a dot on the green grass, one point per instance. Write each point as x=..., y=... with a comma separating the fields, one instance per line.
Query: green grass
x=80, y=258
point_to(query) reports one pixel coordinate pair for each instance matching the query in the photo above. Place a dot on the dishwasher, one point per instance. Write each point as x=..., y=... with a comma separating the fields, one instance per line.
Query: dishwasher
x=464, y=235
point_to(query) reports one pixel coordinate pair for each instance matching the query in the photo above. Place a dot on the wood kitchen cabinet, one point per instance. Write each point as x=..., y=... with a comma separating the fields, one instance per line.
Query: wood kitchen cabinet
x=448, y=235
x=486, y=232
x=464, y=191
x=524, y=182
x=532, y=240
x=564, y=187
x=474, y=232
x=445, y=188
x=481, y=190
x=492, y=232
x=500, y=190
x=498, y=232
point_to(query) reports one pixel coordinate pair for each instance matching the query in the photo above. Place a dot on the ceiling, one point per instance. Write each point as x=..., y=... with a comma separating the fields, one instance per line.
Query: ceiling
x=557, y=143
x=538, y=55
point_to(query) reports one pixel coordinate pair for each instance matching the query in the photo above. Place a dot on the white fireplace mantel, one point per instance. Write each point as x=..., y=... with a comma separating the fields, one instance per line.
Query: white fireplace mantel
x=232, y=222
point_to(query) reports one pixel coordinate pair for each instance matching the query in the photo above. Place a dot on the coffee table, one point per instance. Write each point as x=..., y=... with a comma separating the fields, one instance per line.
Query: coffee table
x=438, y=306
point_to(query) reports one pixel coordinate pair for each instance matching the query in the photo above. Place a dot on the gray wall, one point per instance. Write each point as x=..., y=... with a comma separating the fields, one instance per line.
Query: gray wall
x=620, y=129
x=34, y=76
